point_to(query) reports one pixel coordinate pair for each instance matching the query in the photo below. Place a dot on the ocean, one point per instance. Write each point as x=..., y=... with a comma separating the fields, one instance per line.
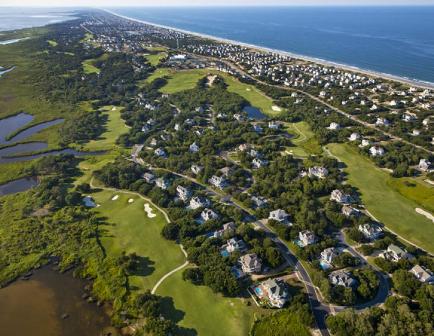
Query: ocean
x=17, y=18
x=393, y=40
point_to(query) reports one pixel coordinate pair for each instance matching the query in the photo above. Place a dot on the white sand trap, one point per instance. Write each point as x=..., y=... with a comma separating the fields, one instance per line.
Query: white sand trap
x=425, y=213
x=131, y=200
x=115, y=197
x=114, y=108
x=149, y=211
x=276, y=108
x=248, y=89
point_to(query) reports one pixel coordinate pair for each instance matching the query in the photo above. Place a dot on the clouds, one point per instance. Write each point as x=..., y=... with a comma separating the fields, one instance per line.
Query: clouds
x=108, y=3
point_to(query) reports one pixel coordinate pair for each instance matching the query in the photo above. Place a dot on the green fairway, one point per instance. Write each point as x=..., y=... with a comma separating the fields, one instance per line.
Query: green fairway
x=383, y=201
x=187, y=79
x=154, y=59
x=52, y=43
x=208, y=313
x=89, y=67
x=130, y=229
x=304, y=139
x=115, y=126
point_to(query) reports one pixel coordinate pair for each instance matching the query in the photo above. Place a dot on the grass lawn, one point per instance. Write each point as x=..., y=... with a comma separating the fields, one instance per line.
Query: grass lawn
x=210, y=314
x=187, y=79
x=383, y=200
x=129, y=229
x=415, y=189
x=52, y=43
x=89, y=68
x=154, y=59
x=115, y=126
x=304, y=139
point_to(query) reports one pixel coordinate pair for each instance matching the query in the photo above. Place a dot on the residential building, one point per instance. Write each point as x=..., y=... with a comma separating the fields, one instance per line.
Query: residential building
x=320, y=172
x=228, y=228
x=196, y=169
x=257, y=128
x=354, y=137
x=423, y=274
x=259, y=201
x=365, y=143
x=160, y=152
x=250, y=263
x=306, y=238
x=279, y=215
x=258, y=163
x=395, y=253
x=273, y=125
x=376, y=151
x=340, y=197
x=349, y=211
x=371, y=231
x=328, y=255
x=342, y=278
x=424, y=165
x=233, y=245
x=183, y=193
x=276, y=292
x=199, y=202
x=148, y=177
x=382, y=122
x=334, y=126
x=218, y=181
x=208, y=214
x=194, y=148
x=162, y=183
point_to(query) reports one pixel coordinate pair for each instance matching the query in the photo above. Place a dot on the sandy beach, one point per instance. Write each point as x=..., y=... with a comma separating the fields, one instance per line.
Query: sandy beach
x=408, y=81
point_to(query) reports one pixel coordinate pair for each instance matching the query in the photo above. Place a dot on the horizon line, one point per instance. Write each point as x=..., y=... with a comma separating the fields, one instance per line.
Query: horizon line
x=220, y=6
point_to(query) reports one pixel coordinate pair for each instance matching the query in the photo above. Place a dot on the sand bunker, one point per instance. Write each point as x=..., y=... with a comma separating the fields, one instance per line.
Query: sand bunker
x=131, y=200
x=149, y=211
x=115, y=197
x=276, y=108
x=425, y=213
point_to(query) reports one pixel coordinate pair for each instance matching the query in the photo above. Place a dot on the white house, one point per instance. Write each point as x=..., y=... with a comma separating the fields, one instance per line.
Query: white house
x=328, y=255
x=423, y=274
x=258, y=163
x=218, y=181
x=183, y=193
x=259, y=201
x=257, y=128
x=334, y=126
x=354, y=137
x=382, y=122
x=208, y=214
x=273, y=125
x=250, y=263
x=276, y=292
x=233, y=245
x=371, y=231
x=196, y=169
x=228, y=228
x=279, y=215
x=395, y=253
x=160, y=152
x=148, y=177
x=340, y=197
x=342, y=278
x=162, y=183
x=199, y=202
x=350, y=211
x=306, y=237
x=424, y=165
x=194, y=148
x=320, y=172
x=365, y=143
x=376, y=151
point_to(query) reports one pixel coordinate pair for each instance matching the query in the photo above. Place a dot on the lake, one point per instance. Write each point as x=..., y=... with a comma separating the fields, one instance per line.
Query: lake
x=50, y=304
x=19, y=185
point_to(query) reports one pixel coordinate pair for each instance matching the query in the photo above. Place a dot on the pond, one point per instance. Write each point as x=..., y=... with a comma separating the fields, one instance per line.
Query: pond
x=10, y=124
x=18, y=185
x=3, y=71
x=51, y=304
x=33, y=129
x=7, y=152
x=254, y=112
x=21, y=158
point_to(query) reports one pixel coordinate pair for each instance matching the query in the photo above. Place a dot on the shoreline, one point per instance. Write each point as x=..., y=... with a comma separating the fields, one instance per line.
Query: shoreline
x=373, y=73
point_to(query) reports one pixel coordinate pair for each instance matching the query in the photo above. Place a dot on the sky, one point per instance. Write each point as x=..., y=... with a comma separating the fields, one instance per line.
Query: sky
x=121, y=3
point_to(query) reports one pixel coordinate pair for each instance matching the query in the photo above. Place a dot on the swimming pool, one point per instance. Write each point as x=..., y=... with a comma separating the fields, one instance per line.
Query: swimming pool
x=258, y=291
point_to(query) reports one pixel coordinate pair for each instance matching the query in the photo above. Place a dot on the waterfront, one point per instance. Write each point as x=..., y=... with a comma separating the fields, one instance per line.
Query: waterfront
x=388, y=40
x=50, y=304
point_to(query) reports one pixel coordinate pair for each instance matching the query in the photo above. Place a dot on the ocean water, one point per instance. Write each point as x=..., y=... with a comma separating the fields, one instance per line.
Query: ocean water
x=17, y=18
x=392, y=40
